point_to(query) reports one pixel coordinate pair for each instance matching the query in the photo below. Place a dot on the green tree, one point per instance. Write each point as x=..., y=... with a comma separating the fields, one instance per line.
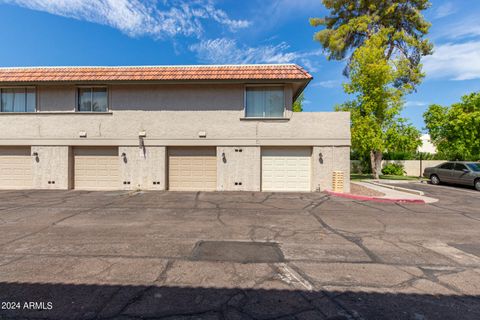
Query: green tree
x=298, y=104
x=383, y=41
x=402, y=137
x=352, y=22
x=455, y=130
x=375, y=123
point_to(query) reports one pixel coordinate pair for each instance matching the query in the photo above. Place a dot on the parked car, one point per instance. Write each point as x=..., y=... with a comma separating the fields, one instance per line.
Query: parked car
x=457, y=172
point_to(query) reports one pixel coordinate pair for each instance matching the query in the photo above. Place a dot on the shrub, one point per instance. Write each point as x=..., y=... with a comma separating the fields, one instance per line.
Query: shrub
x=394, y=169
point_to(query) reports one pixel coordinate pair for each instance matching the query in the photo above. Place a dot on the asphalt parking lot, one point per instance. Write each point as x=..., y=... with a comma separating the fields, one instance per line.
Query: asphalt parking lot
x=168, y=255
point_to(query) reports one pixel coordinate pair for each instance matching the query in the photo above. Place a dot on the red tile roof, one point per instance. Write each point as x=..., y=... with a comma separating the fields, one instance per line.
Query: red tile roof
x=154, y=73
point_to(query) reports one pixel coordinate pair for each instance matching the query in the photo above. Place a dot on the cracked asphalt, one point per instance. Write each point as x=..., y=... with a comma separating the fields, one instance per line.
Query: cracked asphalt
x=121, y=255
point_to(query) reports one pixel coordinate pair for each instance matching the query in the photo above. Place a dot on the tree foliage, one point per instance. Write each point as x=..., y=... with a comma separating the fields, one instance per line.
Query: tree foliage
x=455, y=130
x=375, y=123
x=352, y=22
x=298, y=104
x=384, y=42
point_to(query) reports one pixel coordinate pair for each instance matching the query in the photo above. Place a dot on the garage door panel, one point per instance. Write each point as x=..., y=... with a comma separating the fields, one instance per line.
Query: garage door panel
x=96, y=168
x=15, y=168
x=192, y=169
x=286, y=169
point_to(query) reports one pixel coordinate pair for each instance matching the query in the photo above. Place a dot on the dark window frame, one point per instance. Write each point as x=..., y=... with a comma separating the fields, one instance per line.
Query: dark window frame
x=34, y=90
x=91, y=88
x=264, y=86
x=460, y=164
x=447, y=164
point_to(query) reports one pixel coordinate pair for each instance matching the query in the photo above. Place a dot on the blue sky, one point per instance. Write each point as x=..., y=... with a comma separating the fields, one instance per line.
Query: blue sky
x=176, y=32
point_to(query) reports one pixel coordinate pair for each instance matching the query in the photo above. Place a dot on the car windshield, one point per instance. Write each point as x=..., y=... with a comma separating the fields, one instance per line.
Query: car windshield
x=474, y=166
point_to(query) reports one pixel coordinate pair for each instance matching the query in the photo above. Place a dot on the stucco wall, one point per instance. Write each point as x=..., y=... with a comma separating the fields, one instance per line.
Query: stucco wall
x=238, y=167
x=148, y=97
x=174, y=128
x=326, y=160
x=183, y=113
x=56, y=98
x=176, y=97
x=52, y=164
x=141, y=167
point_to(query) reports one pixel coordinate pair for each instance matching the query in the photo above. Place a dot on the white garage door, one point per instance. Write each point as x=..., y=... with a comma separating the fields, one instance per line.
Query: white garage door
x=96, y=168
x=286, y=169
x=192, y=169
x=15, y=168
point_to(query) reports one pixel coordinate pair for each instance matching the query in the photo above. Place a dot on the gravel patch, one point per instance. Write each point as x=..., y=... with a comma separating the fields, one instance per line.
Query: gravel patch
x=364, y=191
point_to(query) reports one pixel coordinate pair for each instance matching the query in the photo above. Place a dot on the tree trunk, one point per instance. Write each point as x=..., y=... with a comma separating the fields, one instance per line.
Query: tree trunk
x=376, y=162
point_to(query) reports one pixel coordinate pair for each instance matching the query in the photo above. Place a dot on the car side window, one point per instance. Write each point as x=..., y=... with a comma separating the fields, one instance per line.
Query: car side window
x=460, y=167
x=448, y=166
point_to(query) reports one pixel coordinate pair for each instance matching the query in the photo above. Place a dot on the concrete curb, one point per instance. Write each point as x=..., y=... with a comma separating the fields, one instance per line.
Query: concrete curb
x=416, y=192
x=374, y=199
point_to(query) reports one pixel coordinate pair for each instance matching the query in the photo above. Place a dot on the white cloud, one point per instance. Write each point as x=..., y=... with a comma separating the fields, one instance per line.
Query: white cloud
x=455, y=61
x=414, y=103
x=327, y=84
x=227, y=51
x=138, y=18
x=467, y=27
x=445, y=10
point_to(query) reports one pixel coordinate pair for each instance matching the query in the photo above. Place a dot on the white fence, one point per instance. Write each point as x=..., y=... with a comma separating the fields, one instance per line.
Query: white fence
x=412, y=167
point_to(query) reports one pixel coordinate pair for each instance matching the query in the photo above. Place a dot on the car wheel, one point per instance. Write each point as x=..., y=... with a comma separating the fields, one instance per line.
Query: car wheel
x=477, y=184
x=434, y=179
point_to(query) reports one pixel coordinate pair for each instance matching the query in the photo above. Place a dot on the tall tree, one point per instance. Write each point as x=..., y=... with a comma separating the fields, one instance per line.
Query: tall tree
x=352, y=22
x=298, y=104
x=383, y=41
x=455, y=130
x=375, y=122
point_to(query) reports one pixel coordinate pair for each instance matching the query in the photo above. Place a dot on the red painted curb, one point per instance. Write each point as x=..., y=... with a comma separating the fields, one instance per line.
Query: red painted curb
x=374, y=199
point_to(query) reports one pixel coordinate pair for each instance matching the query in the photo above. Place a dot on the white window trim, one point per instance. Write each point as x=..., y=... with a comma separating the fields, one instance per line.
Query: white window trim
x=20, y=87
x=263, y=85
x=77, y=98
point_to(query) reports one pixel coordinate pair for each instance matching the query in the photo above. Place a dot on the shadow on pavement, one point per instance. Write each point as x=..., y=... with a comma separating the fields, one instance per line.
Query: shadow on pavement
x=70, y=301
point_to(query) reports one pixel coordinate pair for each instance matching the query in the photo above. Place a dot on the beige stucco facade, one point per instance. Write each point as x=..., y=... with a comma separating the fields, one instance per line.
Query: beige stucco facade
x=144, y=120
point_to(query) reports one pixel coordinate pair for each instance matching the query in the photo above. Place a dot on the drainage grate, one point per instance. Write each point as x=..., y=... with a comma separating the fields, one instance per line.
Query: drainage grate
x=235, y=251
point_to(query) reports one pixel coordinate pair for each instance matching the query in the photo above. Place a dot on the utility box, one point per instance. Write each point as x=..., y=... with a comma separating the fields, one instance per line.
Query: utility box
x=338, y=181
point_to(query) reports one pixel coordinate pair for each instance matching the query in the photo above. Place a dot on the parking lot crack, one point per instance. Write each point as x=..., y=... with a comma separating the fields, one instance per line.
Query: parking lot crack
x=162, y=277
x=358, y=241
x=219, y=218
x=58, y=221
x=431, y=275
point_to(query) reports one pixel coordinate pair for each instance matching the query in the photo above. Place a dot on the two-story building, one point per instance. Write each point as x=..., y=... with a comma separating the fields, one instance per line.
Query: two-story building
x=186, y=128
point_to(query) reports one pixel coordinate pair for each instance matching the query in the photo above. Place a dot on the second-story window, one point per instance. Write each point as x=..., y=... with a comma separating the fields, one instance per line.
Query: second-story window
x=93, y=99
x=17, y=99
x=265, y=102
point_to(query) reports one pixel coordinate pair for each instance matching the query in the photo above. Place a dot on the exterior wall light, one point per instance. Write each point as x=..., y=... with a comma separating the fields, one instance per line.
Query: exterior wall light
x=320, y=158
x=124, y=157
x=35, y=154
x=224, y=159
